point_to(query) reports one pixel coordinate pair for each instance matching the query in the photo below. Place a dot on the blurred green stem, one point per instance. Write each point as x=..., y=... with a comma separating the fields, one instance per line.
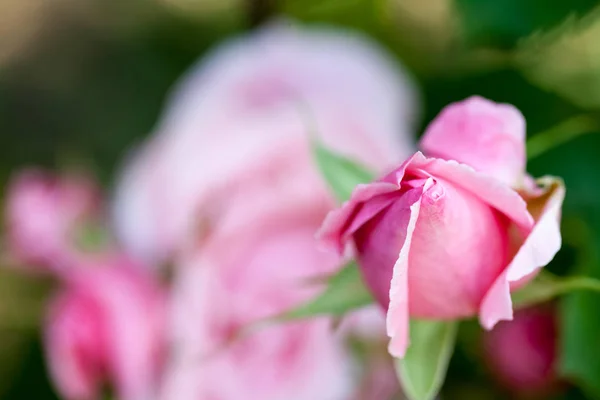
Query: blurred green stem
x=547, y=287
x=559, y=134
x=20, y=317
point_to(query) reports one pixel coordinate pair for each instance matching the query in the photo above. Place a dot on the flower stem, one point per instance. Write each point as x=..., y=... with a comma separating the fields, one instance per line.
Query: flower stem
x=547, y=287
x=581, y=283
x=559, y=134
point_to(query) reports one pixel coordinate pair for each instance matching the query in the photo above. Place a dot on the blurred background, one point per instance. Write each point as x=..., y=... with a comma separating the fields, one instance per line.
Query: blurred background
x=81, y=81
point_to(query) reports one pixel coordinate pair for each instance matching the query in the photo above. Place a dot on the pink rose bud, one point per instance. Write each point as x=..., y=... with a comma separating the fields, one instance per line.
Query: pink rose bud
x=106, y=327
x=522, y=353
x=439, y=239
x=43, y=212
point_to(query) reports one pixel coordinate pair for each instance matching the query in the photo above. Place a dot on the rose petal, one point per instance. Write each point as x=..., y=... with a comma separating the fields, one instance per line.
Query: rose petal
x=486, y=135
x=344, y=221
x=539, y=248
x=486, y=188
x=397, y=315
x=339, y=223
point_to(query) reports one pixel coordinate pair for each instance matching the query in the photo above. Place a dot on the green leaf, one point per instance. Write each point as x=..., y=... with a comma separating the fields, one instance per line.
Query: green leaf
x=578, y=163
x=565, y=59
x=503, y=23
x=345, y=292
x=341, y=173
x=559, y=134
x=423, y=368
x=580, y=323
x=546, y=287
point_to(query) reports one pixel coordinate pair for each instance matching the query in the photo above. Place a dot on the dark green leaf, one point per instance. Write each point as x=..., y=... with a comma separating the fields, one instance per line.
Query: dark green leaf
x=580, y=321
x=564, y=59
x=502, y=23
x=345, y=292
x=578, y=163
x=423, y=369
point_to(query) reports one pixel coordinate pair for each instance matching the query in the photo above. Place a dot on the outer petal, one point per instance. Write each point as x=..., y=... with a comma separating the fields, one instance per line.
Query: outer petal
x=486, y=135
x=539, y=248
x=397, y=315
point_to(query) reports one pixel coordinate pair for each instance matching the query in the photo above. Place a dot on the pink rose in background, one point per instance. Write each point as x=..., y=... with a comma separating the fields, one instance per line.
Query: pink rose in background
x=244, y=273
x=228, y=188
x=522, y=353
x=106, y=326
x=43, y=212
x=245, y=101
x=439, y=239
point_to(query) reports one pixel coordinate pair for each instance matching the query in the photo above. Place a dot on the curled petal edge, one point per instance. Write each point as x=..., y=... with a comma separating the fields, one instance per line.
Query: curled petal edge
x=537, y=250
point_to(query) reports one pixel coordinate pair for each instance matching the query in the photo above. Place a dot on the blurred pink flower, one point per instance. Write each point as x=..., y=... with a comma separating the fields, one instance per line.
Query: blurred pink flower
x=241, y=275
x=522, y=353
x=443, y=240
x=245, y=101
x=43, y=213
x=106, y=326
x=229, y=187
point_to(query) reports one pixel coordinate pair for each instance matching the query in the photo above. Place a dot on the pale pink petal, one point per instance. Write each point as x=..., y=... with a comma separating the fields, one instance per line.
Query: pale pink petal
x=397, y=315
x=538, y=250
x=486, y=135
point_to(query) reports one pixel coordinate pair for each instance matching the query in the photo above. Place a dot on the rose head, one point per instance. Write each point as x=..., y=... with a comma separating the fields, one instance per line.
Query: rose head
x=439, y=239
x=43, y=212
x=106, y=326
x=522, y=353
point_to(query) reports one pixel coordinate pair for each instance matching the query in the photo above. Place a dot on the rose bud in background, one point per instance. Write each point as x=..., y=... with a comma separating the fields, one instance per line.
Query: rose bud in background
x=44, y=213
x=229, y=190
x=521, y=354
x=443, y=240
x=105, y=328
